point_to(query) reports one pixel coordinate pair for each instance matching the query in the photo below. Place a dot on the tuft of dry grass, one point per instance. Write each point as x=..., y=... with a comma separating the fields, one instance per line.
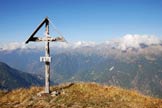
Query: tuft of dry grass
x=78, y=95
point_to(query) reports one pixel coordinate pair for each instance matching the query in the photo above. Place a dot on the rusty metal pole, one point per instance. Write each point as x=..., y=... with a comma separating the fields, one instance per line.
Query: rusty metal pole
x=47, y=63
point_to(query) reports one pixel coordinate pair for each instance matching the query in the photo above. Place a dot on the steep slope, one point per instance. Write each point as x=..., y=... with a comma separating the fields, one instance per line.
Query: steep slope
x=11, y=78
x=141, y=74
x=78, y=95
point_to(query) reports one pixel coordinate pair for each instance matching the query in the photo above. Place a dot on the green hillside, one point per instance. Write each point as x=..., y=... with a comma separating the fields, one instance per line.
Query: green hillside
x=11, y=78
x=78, y=95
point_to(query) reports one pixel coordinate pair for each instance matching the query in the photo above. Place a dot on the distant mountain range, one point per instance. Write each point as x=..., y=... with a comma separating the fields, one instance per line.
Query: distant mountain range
x=11, y=78
x=131, y=62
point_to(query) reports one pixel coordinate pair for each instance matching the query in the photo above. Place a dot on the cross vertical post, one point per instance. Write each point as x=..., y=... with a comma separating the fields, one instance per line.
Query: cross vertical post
x=47, y=63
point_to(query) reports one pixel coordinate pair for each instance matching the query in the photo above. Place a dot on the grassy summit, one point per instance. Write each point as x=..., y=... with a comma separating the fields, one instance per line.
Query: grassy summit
x=78, y=95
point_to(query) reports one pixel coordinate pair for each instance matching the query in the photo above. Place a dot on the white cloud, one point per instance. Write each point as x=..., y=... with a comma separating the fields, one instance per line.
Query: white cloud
x=12, y=46
x=127, y=41
x=134, y=41
x=77, y=44
x=84, y=43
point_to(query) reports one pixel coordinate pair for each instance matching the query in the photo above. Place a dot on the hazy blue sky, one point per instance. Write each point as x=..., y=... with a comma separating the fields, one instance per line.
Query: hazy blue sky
x=81, y=20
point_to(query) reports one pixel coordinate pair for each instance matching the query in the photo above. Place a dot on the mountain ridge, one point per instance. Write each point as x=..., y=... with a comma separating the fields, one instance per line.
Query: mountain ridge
x=12, y=78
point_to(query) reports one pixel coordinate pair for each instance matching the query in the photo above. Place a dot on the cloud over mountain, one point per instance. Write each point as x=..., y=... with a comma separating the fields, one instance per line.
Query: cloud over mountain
x=12, y=45
x=135, y=41
x=123, y=43
x=127, y=41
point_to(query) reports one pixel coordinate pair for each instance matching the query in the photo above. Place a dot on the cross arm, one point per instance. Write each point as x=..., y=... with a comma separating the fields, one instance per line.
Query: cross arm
x=32, y=38
x=60, y=39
